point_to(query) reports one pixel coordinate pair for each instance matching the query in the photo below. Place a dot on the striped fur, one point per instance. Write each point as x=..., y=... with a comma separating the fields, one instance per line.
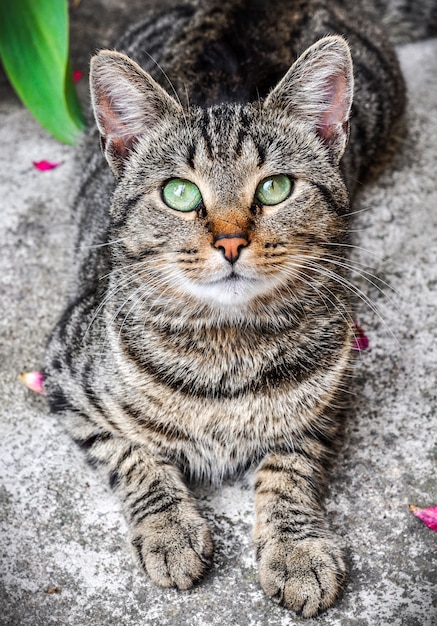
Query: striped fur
x=169, y=360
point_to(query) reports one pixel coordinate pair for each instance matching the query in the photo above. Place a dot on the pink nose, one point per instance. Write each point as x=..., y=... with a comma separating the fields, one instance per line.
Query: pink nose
x=231, y=245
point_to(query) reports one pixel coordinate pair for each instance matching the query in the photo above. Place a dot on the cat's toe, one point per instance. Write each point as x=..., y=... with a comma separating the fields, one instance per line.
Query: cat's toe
x=174, y=554
x=304, y=576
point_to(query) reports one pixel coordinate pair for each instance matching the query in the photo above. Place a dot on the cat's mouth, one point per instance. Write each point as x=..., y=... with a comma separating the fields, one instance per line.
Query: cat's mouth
x=233, y=279
x=235, y=289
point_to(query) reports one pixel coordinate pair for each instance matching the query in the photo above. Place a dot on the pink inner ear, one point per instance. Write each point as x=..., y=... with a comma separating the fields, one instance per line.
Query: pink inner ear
x=116, y=137
x=334, y=119
x=107, y=118
x=121, y=145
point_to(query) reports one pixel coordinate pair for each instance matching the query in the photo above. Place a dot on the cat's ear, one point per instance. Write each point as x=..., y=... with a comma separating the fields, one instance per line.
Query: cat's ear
x=127, y=104
x=318, y=88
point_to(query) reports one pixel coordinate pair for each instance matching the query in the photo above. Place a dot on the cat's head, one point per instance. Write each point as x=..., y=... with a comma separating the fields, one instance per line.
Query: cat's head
x=235, y=203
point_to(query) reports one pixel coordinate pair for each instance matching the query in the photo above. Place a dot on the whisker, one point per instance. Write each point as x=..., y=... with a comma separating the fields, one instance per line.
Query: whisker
x=352, y=246
x=344, y=313
x=358, y=211
x=365, y=274
x=107, y=243
x=122, y=268
x=115, y=289
x=145, y=291
x=108, y=296
x=175, y=93
x=356, y=291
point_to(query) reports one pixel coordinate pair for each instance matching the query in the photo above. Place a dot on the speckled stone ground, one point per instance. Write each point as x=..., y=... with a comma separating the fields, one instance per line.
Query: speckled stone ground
x=63, y=549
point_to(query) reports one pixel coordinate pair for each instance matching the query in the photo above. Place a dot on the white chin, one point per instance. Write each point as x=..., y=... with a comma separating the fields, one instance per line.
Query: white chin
x=229, y=292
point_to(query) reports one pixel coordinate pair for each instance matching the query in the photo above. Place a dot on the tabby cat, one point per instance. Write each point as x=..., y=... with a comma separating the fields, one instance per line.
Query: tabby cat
x=209, y=327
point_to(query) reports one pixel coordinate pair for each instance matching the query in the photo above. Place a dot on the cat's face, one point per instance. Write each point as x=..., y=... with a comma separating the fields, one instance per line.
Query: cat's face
x=231, y=205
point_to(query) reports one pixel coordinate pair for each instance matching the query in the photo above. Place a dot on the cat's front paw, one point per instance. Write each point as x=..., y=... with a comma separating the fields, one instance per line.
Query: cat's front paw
x=176, y=550
x=305, y=576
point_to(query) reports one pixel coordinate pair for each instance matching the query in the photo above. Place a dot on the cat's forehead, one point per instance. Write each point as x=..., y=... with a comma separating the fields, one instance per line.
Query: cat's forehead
x=234, y=142
x=233, y=131
x=225, y=147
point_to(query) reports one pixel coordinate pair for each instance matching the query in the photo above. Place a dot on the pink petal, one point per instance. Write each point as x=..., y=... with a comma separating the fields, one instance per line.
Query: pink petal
x=428, y=516
x=77, y=75
x=33, y=381
x=43, y=166
x=361, y=341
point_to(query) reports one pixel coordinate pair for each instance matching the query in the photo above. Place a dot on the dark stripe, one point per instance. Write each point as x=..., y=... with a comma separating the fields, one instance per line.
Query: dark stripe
x=170, y=431
x=139, y=256
x=230, y=387
x=126, y=454
x=291, y=471
x=295, y=526
x=88, y=443
x=204, y=130
x=137, y=543
x=326, y=439
x=242, y=134
x=70, y=327
x=137, y=486
x=262, y=154
x=161, y=508
x=155, y=24
x=58, y=401
x=311, y=533
x=114, y=479
x=243, y=126
x=151, y=488
x=275, y=255
x=121, y=217
x=92, y=397
x=87, y=381
x=273, y=467
x=316, y=576
x=188, y=251
x=149, y=500
x=130, y=471
x=331, y=200
x=191, y=154
x=293, y=474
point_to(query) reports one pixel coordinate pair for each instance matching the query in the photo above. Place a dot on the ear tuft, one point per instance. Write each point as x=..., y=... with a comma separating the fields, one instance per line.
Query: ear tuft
x=127, y=104
x=318, y=88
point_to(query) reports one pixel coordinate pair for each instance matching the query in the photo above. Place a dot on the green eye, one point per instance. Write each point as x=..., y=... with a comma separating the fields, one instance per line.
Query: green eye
x=274, y=189
x=181, y=194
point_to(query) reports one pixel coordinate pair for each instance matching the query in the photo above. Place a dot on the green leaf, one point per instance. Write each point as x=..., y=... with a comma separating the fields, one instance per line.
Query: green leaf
x=34, y=52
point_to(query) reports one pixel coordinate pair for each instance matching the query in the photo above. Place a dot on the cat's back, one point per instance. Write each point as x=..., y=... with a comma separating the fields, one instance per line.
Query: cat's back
x=237, y=50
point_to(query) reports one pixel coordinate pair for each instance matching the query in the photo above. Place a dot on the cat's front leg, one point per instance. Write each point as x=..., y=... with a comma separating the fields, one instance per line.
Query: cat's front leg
x=171, y=540
x=300, y=564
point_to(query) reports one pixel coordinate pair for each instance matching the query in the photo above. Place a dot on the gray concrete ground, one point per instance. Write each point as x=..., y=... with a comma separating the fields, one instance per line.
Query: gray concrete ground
x=63, y=549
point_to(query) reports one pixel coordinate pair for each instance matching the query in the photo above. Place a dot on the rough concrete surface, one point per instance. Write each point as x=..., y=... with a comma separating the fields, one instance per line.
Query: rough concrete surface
x=63, y=553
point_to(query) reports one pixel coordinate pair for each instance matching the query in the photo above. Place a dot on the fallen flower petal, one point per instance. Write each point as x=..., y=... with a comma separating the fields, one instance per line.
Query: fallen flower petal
x=33, y=381
x=428, y=516
x=43, y=166
x=361, y=341
x=77, y=75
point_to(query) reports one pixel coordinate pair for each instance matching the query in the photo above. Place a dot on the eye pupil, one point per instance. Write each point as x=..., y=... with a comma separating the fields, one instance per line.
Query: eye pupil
x=274, y=189
x=181, y=195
